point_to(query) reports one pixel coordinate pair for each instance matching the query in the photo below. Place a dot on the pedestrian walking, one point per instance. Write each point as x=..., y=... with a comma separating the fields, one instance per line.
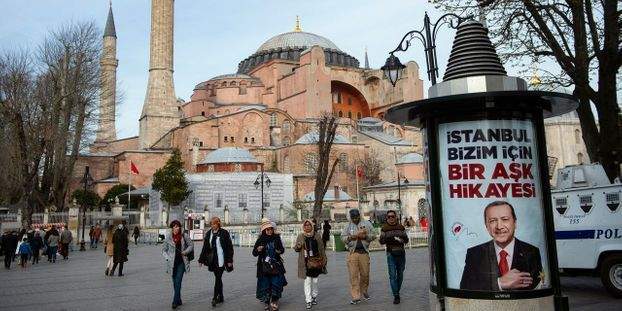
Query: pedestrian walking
x=24, y=252
x=15, y=238
x=356, y=236
x=136, y=234
x=66, y=237
x=53, y=241
x=217, y=255
x=178, y=251
x=270, y=269
x=394, y=236
x=120, y=249
x=109, y=249
x=97, y=233
x=9, y=243
x=311, y=261
x=91, y=232
x=326, y=232
x=36, y=244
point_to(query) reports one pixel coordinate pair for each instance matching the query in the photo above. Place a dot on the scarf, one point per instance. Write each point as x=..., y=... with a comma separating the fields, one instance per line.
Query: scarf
x=177, y=238
x=312, y=232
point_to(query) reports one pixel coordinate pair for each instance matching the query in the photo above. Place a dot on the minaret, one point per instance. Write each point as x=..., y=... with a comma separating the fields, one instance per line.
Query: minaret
x=160, y=108
x=108, y=83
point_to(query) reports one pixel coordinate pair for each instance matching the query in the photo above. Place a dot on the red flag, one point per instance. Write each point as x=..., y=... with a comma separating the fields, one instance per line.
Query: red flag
x=133, y=168
x=359, y=172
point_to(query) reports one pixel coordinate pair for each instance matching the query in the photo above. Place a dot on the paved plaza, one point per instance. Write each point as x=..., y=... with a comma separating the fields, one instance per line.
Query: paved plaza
x=80, y=284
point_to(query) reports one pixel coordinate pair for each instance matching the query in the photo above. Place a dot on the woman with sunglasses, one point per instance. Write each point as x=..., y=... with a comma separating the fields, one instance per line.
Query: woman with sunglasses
x=270, y=269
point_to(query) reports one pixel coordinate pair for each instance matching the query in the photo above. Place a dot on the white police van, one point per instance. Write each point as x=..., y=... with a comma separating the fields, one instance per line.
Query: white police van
x=588, y=224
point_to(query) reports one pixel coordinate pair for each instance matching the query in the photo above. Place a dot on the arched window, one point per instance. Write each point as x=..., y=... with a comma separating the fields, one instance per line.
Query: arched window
x=358, y=115
x=286, y=126
x=350, y=114
x=252, y=140
x=232, y=139
x=580, y=158
x=246, y=140
x=273, y=120
x=233, y=83
x=203, y=113
x=226, y=139
x=310, y=162
x=343, y=161
x=340, y=114
x=224, y=84
x=577, y=136
x=286, y=168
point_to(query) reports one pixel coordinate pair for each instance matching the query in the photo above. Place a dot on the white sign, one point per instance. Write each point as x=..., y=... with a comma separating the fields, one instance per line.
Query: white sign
x=492, y=206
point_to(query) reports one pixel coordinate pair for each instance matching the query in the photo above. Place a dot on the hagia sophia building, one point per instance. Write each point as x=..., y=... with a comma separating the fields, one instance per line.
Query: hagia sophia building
x=262, y=116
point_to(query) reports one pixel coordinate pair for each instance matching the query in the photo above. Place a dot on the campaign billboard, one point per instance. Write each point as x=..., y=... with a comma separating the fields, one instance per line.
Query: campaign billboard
x=492, y=206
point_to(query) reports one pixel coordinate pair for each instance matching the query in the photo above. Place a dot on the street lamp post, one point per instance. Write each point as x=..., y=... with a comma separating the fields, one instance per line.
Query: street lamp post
x=427, y=36
x=399, y=193
x=262, y=179
x=87, y=181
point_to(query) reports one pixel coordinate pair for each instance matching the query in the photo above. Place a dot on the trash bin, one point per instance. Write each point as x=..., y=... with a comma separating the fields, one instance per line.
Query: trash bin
x=339, y=245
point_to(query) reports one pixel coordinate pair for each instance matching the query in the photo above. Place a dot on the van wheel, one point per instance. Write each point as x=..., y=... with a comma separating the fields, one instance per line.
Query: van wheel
x=611, y=275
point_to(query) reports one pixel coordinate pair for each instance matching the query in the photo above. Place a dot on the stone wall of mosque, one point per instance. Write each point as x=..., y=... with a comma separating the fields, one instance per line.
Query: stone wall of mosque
x=236, y=194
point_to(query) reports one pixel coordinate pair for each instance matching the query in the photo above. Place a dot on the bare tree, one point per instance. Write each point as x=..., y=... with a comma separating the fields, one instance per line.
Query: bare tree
x=371, y=165
x=48, y=102
x=582, y=38
x=327, y=129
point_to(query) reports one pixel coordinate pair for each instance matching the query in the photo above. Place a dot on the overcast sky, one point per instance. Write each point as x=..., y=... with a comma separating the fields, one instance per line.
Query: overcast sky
x=212, y=37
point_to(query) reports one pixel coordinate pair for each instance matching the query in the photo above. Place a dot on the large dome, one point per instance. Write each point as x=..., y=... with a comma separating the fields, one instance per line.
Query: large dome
x=290, y=45
x=298, y=39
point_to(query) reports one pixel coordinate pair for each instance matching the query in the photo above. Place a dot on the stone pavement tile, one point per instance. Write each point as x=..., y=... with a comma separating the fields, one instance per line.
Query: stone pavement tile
x=79, y=284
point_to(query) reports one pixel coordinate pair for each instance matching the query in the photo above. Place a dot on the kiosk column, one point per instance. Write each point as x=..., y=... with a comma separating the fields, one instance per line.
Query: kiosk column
x=492, y=237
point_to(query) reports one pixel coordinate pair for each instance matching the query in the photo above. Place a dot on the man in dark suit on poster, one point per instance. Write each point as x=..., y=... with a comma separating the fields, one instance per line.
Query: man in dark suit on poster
x=505, y=262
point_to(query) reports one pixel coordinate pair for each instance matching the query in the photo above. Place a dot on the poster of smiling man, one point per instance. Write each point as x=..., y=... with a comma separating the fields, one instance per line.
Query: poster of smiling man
x=493, y=214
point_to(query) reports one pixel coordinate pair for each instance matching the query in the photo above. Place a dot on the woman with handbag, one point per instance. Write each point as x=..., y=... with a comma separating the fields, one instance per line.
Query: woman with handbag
x=109, y=249
x=311, y=260
x=217, y=255
x=120, y=248
x=178, y=251
x=270, y=269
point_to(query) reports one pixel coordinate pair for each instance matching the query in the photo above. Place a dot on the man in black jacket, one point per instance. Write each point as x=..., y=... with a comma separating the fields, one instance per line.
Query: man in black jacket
x=504, y=263
x=217, y=255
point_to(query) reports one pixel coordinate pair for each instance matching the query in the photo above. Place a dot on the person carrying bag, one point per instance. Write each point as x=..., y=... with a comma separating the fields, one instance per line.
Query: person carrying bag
x=178, y=251
x=217, y=255
x=311, y=261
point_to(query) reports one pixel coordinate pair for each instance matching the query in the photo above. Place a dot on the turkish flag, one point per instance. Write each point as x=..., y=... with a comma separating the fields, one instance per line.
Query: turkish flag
x=133, y=168
x=359, y=172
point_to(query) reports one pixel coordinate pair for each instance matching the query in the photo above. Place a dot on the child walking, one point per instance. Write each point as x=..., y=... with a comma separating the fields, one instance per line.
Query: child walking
x=24, y=252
